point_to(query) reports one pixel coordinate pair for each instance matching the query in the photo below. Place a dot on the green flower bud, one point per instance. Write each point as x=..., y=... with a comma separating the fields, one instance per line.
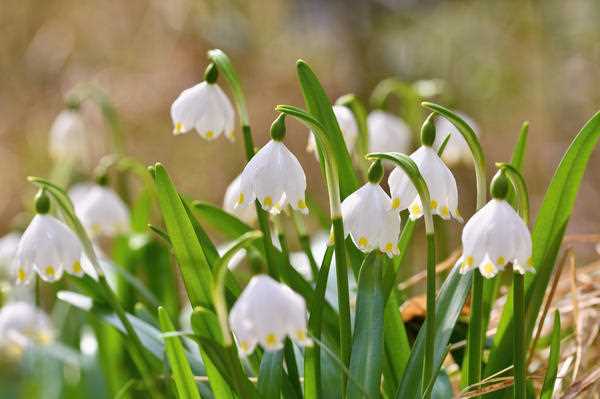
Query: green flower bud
x=376, y=172
x=42, y=202
x=428, y=131
x=278, y=128
x=499, y=185
x=211, y=74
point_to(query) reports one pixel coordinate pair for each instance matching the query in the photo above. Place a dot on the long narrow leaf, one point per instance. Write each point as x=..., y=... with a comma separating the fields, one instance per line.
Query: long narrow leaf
x=182, y=373
x=551, y=373
x=270, y=376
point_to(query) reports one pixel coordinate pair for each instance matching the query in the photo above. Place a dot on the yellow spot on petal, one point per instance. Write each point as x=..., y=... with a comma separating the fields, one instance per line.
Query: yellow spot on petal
x=530, y=262
x=363, y=242
x=301, y=335
x=210, y=134
x=396, y=203
x=244, y=346
x=469, y=261
x=50, y=271
x=415, y=209
x=95, y=229
x=445, y=211
x=501, y=260
x=178, y=128
x=389, y=247
x=271, y=340
x=488, y=268
x=268, y=201
x=240, y=199
x=77, y=267
x=433, y=204
x=21, y=275
x=457, y=214
x=301, y=204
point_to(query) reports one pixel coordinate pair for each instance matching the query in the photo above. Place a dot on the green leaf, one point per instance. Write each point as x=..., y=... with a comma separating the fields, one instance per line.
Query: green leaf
x=182, y=373
x=360, y=115
x=552, y=371
x=450, y=301
x=547, y=236
x=319, y=106
x=270, y=376
x=397, y=347
x=190, y=256
x=229, y=225
x=367, y=343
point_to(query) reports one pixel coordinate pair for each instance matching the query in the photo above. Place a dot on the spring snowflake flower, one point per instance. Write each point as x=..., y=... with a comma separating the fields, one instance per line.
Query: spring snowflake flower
x=388, y=133
x=68, y=138
x=370, y=220
x=100, y=210
x=232, y=194
x=204, y=107
x=493, y=237
x=457, y=149
x=347, y=124
x=22, y=325
x=265, y=313
x=274, y=177
x=440, y=182
x=47, y=247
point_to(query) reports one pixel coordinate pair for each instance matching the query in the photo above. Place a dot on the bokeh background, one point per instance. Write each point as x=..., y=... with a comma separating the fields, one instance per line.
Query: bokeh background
x=502, y=62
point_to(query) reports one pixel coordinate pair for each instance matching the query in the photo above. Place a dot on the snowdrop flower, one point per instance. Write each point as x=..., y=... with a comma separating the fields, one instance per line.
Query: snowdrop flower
x=47, y=247
x=204, y=107
x=68, y=138
x=348, y=126
x=369, y=217
x=457, y=149
x=245, y=214
x=22, y=325
x=100, y=210
x=495, y=236
x=265, y=313
x=388, y=133
x=439, y=179
x=273, y=176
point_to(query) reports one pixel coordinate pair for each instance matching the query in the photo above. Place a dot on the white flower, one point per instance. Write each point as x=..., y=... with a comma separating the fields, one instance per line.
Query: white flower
x=206, y=108
x=266, y=312
x=274, y=177
x=457, y=149
x=245, y=214
x=100, y=210
x=370, y=220
x=22, y=325
x=493, y=237
x=348, y=126
x=48, y=247
x=440, y=182
x=8, y=248
x=388, y=133
x=69, y=139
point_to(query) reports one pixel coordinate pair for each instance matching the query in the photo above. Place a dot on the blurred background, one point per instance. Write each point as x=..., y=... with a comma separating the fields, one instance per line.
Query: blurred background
x=502, y=63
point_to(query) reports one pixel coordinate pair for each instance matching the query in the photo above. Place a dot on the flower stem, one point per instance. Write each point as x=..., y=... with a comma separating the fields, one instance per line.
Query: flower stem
x=475, y=336
x=343, y=294
x=519, y=351
x=430, y=318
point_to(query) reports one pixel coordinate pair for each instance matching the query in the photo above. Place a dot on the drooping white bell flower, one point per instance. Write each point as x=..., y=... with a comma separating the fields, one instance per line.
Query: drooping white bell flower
x=100, y=210
x=369, y=218
x=274, y=177
x=47, y=247
x=232, y=194
x=348, y=126
x=493, y=237
x=22, y=325
x=388, y=133
x=457, y=149
x=204, y=107
x=440, y=182
x=265, y=313
x=68, y=138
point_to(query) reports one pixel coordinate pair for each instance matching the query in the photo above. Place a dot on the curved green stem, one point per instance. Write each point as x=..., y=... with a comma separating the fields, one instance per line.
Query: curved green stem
x=407, y=94
x=520, y=187
x=360, y=115
x=475, y=333
x=412, y=171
